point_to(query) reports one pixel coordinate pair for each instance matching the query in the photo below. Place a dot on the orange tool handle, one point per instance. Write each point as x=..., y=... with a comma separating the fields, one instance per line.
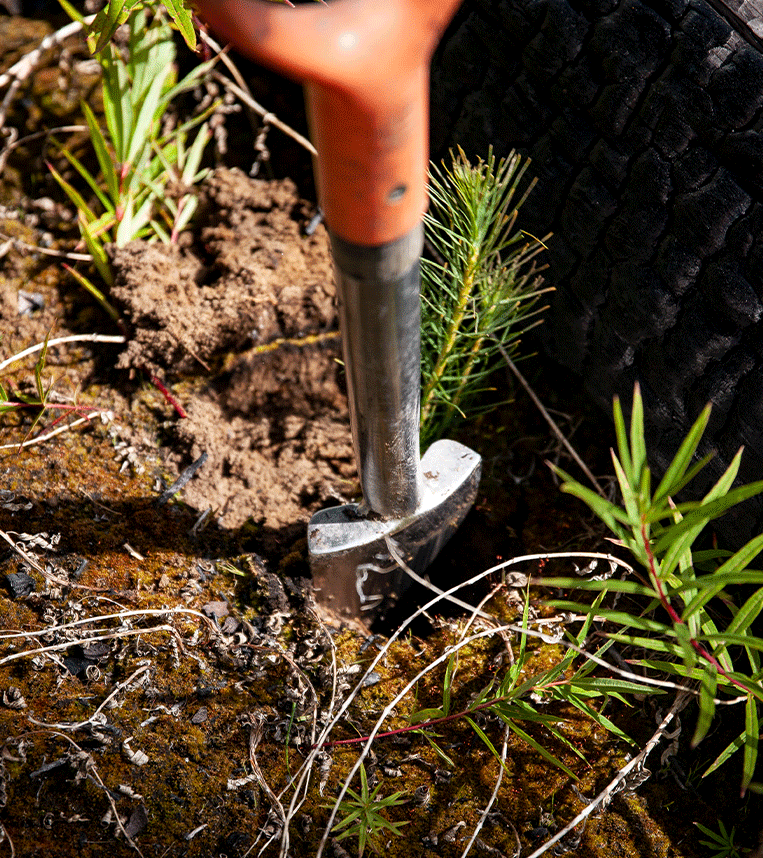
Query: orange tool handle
x=365, y=64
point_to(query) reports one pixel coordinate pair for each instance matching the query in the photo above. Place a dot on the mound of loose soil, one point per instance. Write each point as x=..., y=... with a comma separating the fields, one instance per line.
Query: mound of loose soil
x=272, y=420
x=251, y=277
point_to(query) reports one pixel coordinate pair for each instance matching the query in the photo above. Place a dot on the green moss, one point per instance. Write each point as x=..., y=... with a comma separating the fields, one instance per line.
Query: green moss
x=184, y=783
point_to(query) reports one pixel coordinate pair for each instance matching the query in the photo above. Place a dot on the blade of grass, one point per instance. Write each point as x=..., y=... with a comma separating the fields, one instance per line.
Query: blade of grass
x=751, y=736
x=672, y=482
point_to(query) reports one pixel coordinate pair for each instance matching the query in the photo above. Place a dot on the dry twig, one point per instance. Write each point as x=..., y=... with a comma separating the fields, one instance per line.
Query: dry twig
x=14, y=141
x=47, y=251
x=550, y=420
x=93, y=770
x=130, y=679
x=241, y=91
x=5, y=836
x=21, y=70
x=105, y=416
x=121, y=615
x=30, y=561
x=618, y=782
x=75, y=338
x=493, y=797
x=255, y=722
x=118, y=633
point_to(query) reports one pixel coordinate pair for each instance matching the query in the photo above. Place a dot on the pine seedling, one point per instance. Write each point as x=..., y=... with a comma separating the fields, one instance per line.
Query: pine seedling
x=480, y=291
x=361, y=815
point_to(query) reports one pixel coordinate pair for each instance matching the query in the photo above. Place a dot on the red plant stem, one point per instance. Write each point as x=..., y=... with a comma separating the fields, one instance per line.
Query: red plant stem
x=675, y=617
x=76, y=410
x=410, y=727
x=168, y=396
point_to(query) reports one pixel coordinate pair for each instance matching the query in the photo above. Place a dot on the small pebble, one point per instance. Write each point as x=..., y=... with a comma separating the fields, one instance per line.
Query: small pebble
x=200, y=715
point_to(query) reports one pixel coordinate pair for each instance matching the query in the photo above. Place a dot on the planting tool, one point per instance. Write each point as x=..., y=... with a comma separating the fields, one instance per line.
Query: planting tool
x=365, y=66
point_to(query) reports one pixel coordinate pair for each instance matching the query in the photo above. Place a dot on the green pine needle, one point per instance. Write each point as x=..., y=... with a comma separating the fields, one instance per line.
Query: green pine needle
x=481, y=293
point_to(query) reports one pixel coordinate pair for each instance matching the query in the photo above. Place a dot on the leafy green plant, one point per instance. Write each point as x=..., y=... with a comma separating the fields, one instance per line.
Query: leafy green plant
x=38, y=401
x=116, y=12
x=480, y=293
x=140, y=162
x=692, y=624
x=362, y=815
x=511, y=698
x=721, y=841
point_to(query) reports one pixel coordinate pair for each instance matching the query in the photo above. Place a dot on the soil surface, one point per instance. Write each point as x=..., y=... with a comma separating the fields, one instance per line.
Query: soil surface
x=164, y=668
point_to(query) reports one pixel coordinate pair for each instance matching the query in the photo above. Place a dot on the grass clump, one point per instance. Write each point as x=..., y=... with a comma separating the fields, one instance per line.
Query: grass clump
x=480, y=291
x=148, y=166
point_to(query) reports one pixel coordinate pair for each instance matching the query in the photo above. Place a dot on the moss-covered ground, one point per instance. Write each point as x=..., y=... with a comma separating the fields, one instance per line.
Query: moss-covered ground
x=198, y=643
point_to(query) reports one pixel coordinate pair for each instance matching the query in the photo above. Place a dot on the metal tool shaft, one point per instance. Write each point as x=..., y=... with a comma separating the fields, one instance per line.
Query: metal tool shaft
x=378, y=292
x=365, y=66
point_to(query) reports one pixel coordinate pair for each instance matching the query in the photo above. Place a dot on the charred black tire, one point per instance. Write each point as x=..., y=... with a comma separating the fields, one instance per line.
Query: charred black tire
x=644, y=122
